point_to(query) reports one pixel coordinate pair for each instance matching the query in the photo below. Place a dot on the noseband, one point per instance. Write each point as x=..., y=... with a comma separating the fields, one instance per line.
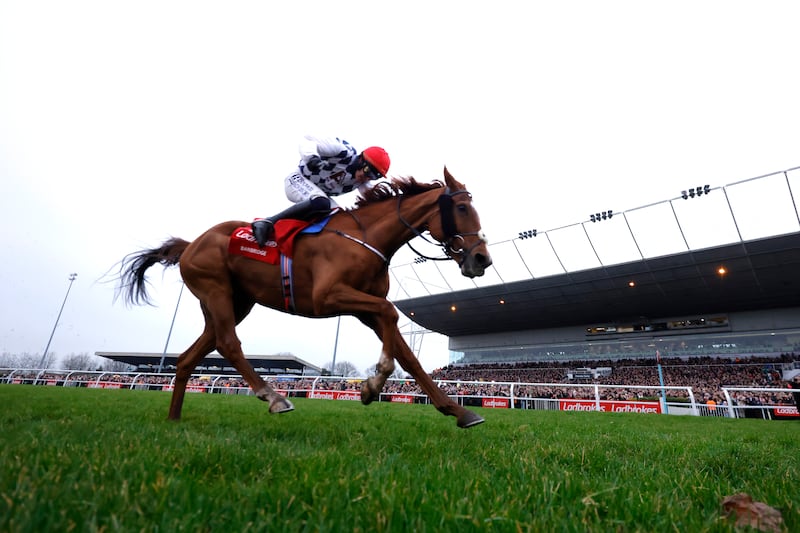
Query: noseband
x=453, y=241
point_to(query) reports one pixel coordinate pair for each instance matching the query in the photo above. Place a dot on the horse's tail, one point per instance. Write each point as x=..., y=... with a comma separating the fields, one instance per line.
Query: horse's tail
x=132, y=281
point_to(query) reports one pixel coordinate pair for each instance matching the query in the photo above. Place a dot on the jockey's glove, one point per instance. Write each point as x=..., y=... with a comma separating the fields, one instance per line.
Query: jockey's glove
x=314, y=163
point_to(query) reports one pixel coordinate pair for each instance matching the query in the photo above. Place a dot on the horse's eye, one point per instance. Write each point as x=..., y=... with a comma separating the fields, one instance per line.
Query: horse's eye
x=462, y=208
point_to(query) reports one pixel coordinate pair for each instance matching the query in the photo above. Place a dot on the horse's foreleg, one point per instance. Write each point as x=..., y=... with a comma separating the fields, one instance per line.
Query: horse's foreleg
x=186, y=364
x=371, y=387
x=380, y=315
x=442, y=402
x=393, y=343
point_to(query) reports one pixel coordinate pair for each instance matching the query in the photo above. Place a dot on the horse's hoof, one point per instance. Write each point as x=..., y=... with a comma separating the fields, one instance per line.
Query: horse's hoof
x=281, y=406
x=367, y=397
x=469, y=419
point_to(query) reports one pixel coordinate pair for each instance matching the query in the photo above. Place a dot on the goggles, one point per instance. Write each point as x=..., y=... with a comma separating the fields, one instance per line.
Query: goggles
x=371, y=172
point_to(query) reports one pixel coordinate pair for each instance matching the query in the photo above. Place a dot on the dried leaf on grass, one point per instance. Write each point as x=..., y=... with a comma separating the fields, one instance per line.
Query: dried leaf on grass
x=746, y=512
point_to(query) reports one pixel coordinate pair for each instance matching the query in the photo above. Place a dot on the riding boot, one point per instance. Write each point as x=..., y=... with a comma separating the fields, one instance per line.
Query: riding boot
x=264, y=229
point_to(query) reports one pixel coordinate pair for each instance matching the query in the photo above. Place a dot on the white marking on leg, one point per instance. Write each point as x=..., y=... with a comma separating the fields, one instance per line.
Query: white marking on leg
x=385, y=365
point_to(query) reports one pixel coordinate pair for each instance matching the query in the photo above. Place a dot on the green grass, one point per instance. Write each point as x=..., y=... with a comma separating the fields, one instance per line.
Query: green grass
x=108, y=460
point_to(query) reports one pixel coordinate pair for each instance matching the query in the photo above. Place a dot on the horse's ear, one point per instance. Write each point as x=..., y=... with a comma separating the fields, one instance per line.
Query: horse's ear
x=450, y=181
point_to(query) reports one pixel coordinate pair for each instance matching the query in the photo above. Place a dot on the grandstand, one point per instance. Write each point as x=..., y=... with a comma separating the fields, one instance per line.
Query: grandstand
x=711, y=272
x=214, y=363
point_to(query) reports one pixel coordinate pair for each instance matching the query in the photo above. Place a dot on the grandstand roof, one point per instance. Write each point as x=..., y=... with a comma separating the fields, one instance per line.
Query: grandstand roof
x=760, y=274
x=215, y=363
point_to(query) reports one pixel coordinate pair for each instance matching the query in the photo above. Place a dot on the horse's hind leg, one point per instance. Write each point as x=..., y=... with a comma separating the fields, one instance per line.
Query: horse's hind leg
x=232, y=351
x=187, y=362
x=262, y=390
x=230, y=347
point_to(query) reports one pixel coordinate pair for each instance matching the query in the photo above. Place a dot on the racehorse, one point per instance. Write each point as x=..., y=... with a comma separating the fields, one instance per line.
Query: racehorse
x=342, y=270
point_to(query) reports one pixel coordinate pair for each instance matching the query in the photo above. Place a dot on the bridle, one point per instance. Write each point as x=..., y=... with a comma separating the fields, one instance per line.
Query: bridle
x=453, y=241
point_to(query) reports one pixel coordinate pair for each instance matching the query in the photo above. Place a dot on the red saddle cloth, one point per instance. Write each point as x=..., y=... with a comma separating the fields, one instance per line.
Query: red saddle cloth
x=242, y=241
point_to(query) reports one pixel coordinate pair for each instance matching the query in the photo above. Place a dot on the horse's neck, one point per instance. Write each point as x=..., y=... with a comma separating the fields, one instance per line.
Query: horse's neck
x=383, y=224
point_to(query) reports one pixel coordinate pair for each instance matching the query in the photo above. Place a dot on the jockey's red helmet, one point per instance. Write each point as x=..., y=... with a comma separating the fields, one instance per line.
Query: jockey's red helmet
x=378, y=158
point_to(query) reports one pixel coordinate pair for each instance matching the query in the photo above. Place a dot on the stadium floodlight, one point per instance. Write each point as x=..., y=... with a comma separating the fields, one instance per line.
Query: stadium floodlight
x=696, y=191
x=603, y=215
x=528, y=234
x=419, y=259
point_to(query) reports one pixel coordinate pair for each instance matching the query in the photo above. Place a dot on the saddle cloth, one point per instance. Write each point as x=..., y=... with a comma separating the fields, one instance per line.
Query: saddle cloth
x=242, y=241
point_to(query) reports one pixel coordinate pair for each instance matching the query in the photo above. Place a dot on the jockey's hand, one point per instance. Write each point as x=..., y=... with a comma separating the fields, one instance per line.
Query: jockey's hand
x=314, y=163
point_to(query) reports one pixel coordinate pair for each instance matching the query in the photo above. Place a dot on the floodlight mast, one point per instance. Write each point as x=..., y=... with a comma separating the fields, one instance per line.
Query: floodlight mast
x=46, y=348
x=169, y=333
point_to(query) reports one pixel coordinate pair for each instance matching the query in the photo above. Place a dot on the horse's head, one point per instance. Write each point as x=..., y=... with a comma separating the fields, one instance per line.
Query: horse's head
x=458, y=228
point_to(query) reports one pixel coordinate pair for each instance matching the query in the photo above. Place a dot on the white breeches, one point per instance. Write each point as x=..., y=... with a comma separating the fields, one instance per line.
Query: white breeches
x=298, y=189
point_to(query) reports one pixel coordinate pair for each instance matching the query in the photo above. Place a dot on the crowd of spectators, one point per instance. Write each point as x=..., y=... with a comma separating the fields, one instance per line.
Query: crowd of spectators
x=704, y=375
x=544, y=380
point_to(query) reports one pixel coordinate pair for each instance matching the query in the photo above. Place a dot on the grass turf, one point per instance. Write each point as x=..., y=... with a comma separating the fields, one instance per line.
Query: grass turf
x=108, y=460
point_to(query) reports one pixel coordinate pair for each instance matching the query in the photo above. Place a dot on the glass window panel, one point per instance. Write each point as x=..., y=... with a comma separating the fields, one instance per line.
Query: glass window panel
x=573, y=248
x=706, y=220
x=508, y=263
x=763, y=207
x=656, y=230
x=490, y=277
x=612, y=240
x=539, y=256
x=449, y=271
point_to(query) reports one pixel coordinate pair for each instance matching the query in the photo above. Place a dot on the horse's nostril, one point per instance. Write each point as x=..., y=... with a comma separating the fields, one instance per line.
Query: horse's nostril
x=483, y=260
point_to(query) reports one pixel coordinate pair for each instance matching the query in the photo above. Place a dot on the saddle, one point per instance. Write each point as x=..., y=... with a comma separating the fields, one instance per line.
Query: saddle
x=242, y=241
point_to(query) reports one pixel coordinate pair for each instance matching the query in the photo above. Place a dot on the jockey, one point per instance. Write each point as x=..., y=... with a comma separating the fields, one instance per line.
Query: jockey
x=328, y=167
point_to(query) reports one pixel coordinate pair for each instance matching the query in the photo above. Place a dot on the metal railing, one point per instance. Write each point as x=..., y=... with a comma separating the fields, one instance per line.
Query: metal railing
x=677, y=400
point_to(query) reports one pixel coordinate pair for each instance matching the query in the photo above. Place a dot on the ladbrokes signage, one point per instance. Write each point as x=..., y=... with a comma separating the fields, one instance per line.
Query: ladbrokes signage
x=335, y=395
x=786, y=411
x=609, y=407
x=497, y=403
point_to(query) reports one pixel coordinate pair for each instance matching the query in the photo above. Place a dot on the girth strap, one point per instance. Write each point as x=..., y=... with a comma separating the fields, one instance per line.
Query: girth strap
x=287, y=283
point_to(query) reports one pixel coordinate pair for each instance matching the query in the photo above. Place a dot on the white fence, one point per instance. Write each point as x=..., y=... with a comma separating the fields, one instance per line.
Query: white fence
x=740, y=402
x=749, y=402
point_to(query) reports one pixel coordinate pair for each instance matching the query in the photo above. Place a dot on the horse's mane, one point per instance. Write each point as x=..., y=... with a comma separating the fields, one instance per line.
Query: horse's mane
x=391, y=189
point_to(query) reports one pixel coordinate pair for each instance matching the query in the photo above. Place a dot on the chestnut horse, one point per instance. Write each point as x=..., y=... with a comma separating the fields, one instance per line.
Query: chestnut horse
x=343, y=270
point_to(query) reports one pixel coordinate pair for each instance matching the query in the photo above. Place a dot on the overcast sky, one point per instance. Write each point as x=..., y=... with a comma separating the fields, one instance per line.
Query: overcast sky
x=125, y=123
